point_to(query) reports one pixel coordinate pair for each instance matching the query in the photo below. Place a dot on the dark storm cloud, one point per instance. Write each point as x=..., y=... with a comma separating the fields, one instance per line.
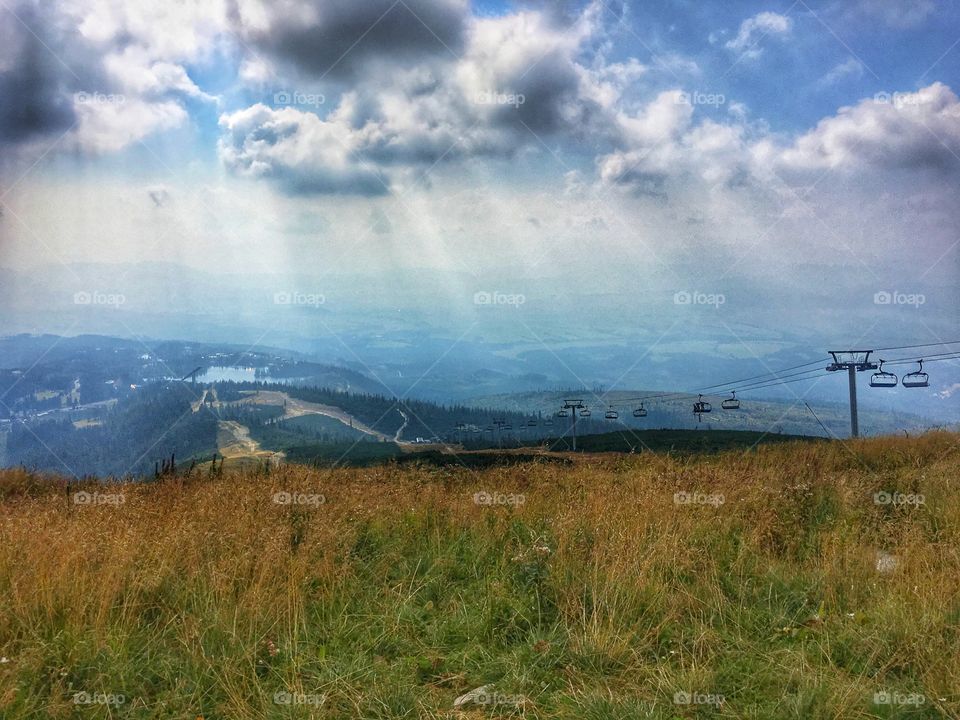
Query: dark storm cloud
x=346, y=35
x=551, y=98
x=34, y=85
x=517, y=82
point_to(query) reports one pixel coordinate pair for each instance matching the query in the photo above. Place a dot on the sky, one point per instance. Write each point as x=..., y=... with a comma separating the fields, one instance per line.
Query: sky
x=775, y=164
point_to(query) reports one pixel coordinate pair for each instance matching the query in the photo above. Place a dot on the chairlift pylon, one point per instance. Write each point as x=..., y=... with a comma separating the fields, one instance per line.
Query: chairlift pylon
x=882, y=378
x=917, y=378
x=731, y=403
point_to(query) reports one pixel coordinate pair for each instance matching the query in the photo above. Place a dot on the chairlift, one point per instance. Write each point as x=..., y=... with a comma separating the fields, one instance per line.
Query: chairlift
x=508, y=427
x=882, y=378
x=640, y=411
x=731, y=403
x=611, y=414
x=701, y=406
x=585, y=412
x=532, y=422
x=563, y=413
x=916, y=379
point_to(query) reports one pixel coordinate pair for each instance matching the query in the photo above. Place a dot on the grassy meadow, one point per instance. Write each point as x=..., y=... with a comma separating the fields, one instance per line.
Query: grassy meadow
x=798, y=580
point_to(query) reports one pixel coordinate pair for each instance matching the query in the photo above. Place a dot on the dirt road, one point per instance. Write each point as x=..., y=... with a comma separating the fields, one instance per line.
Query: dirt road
x=294, y=407
x=234, y=441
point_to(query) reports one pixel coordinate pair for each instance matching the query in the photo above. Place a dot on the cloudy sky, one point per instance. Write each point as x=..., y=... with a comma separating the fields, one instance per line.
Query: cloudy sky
x=796, y=158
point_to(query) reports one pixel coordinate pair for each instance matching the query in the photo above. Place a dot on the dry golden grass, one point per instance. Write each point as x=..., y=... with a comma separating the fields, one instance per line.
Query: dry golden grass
x=598, y=597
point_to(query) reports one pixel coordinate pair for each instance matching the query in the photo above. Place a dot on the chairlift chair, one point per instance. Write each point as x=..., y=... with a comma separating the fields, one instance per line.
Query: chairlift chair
x=731, y=403
x=916, y=379
x=611, y=414
x=531, y=422
x=585, y=412
x=548, y=422
x=640, y=411
x=563, y=413
x=701, y=406
x=882, y=378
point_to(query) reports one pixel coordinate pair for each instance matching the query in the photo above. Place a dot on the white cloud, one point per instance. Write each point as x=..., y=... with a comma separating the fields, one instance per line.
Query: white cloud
x=918, y=131
x=299, y=150
x=754, y=29
x=110, y=125
x=661, y=145
x=256, y=72
x=949, y=391
x=183, y=30
x=851, y=68
x=913, y=132
x=135, y=72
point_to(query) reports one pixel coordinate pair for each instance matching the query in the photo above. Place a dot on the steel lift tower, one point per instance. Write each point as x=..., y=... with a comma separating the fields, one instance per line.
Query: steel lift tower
x=853, y=361
x=574, y=406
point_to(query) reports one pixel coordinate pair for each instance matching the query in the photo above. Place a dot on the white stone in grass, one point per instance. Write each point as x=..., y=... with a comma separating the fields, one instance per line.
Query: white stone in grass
x=886, y=563
x=476, y=696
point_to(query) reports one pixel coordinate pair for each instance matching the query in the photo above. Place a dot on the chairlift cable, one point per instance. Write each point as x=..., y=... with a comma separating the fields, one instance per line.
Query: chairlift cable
x=911, y=347
x=926, y=359
x=784, y=382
